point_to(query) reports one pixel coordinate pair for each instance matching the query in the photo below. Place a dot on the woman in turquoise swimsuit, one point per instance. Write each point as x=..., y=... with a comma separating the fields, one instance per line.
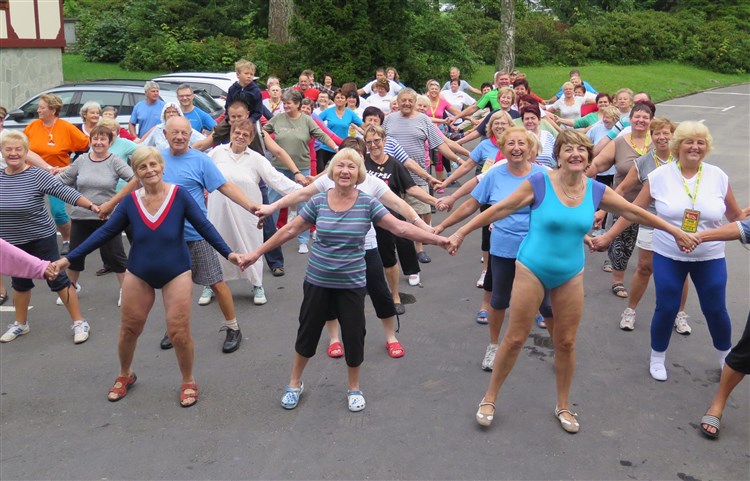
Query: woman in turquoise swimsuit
x=551, y=256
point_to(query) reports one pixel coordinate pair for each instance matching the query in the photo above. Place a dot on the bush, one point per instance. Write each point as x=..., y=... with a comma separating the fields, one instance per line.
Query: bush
x=96, y=40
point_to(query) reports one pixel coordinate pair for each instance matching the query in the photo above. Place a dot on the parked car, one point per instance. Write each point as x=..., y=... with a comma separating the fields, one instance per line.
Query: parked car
x=121, y=94
x=216, y=84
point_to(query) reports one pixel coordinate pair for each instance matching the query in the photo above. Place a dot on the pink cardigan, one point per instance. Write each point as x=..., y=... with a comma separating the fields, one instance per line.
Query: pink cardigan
x=17, y=263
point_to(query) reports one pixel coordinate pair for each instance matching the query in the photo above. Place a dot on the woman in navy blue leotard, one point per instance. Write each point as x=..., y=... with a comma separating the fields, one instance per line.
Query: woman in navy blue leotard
x=562, y=204
x=159, y=259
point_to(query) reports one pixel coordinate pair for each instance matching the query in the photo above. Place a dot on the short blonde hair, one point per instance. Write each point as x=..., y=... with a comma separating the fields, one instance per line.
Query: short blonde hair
x=375, y=130
x=530, y=140
x=568, y=85
x=658, y=123
x=243, y=64
x=611, y=112
x=497, y=115
x=505, y=90
x=53, y=101
x=142, y=154
x=690, y=130
x=110, y=124
x=422, y=98
x=348, y=154
x=14, y=136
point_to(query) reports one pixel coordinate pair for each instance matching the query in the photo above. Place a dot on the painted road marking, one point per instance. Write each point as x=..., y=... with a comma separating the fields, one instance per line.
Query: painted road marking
x=691, y=106
x=726, y=93
x=728, y=108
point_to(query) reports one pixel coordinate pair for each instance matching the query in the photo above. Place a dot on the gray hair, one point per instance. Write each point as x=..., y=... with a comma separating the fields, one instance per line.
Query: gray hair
x=91, y=104
x=150, y=85
x=292, y=96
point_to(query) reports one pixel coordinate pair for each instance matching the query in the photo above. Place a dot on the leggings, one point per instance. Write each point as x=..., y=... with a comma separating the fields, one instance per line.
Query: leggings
x=622, y=247
x=710, y=281
x=57, y=209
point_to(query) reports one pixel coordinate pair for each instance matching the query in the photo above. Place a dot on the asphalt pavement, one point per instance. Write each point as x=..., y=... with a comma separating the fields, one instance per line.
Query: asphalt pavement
x=56, y=422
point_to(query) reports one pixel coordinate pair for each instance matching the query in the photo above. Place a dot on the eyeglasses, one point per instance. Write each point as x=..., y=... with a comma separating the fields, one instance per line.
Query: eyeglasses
x=187, y=96
x=374, y=142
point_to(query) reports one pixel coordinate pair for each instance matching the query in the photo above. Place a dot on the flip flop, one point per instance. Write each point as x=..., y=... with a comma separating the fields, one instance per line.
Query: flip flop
x=713, y=421
x=184, y=396
x=482, y=316
x=335, y=350
x=125, y=383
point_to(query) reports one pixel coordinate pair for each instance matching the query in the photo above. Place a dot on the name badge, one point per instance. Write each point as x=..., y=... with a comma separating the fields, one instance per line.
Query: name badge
x=690, y=220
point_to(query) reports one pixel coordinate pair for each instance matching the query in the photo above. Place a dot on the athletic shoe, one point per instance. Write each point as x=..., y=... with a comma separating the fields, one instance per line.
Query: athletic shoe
x=627, y=322
x=65, y=248
x=206, y=296
x=480, y=281
x=423, y=257
x=14, y=330
x=60, y=302
x=259, y=296
x=303, y=249
x=658, y=371
x=277, y=271
x=681, y=325
x=414, y=280
x=80, y=331
x=489, y=357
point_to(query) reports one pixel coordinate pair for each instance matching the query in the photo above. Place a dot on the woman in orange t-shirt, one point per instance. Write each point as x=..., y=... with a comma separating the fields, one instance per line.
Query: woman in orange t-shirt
x=54, y=140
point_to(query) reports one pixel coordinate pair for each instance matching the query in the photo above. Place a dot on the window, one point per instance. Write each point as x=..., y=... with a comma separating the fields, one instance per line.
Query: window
x=29, y=110
x=103, y=98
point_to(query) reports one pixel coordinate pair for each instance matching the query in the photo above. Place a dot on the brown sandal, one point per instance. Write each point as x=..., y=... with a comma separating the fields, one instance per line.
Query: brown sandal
x=185, y=396
x=619, y=290
x=122, y=390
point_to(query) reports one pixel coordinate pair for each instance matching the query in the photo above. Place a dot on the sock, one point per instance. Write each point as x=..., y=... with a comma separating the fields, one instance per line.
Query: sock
x=658, y=357
x=231, y=324
x=75, y=323
x=722, y=355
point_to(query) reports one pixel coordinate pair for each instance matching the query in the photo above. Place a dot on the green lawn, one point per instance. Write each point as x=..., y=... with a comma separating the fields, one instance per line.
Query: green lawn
x=662, y=80
x=76, y=69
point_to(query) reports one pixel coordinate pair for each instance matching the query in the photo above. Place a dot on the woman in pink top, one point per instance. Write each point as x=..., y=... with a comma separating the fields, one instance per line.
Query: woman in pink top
x=17, y=263
x=436, y=112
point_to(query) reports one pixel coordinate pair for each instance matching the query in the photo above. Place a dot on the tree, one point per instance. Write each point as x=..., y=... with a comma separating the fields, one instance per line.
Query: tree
x=506, y=48
x=279, y=16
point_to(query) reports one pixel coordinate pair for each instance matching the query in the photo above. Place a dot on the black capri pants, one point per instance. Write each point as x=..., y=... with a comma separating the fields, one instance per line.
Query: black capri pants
x=389, y=245
x=112, y=253
x=739, y=357
x=317, y=305
x=485, y=230
x=503, y=274
x=377, y=287
x=45, y=249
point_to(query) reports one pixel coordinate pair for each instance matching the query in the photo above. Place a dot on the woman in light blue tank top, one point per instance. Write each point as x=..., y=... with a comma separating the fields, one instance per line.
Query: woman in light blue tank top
x=562, y=203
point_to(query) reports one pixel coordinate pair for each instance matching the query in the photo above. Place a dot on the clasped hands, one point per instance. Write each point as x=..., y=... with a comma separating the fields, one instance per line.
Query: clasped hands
x=686, y=241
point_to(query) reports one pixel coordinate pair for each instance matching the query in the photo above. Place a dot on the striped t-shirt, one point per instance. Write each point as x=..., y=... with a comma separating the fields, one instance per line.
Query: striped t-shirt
x=337, y=258
x=411, y=133
x=23, y=213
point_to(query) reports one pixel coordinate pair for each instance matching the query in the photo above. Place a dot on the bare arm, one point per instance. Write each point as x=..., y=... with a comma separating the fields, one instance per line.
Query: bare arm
x=417, y=192
x=397, y=204
x=724, y=233
x=403, y=229
x=106, y=208
x=600, y=146
x=733, y=212
x=603, y=161
x=37, y=161
x=462, y=170
x=413, y=166
x=521, y=197
x=204, y=144
x=466, y=209
x=235, y=194
x=292, y=198
x=629, y=182
x=447, y=202
x=131, y=129
x=283, y=235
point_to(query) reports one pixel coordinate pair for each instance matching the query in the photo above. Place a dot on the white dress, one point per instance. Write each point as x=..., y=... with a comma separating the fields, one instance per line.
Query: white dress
x=237, y=226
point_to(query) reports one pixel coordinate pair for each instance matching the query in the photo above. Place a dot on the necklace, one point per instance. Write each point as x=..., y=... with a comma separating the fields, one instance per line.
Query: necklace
x=573, y=197
x=49, y=131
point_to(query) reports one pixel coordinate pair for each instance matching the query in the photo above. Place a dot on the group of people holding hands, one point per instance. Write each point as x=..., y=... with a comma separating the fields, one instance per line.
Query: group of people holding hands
x=364, y=182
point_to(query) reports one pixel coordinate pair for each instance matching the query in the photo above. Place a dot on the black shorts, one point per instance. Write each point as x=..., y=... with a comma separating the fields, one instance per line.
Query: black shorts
x=45, y=249
x=485, y=231
x=112, y=253
x=739, y=357
x=503, y=274
x=389, y=245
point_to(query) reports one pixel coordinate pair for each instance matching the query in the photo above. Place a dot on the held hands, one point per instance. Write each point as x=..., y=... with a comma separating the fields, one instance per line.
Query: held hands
x=455, y=243
x=445, y=203
x=50, y=273
x=598, y=243
x=599, y=218
x=105, y=210
x=438, y=229
x=687, y=242
x=55, y=268
x=246, y=260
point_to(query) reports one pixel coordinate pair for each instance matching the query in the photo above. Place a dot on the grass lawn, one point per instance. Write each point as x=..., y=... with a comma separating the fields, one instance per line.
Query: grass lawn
x=76, y=69
x=662, y=80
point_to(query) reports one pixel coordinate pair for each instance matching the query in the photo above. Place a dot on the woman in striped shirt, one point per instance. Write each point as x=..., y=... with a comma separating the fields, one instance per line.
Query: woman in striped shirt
x=335, y=280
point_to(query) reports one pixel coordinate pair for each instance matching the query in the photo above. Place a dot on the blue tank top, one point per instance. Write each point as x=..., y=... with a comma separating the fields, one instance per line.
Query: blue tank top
x=554, y=250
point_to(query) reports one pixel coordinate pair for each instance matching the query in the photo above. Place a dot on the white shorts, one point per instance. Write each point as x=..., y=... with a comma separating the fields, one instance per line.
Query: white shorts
x=645, y=239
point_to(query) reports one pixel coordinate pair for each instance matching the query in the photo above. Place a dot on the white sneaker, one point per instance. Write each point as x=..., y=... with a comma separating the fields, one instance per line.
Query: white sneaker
x=206, y=295
x=303, y=249
x=59, y=300
x=658, y=371
x=480, y=281
x=80, y=331
x=681, y=325
x=119, y=299
x=414, y=279
x=627, y=322
x=259, y=296
x=489, y=357
x=14, y=330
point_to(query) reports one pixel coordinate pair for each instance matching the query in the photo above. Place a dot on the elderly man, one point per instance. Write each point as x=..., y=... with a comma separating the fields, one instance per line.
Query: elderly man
x=195, y=172
x=304, y=86
x=200, y=120
x=463, y=85
x=411, y=129
x=146, y=113
x=502, y=79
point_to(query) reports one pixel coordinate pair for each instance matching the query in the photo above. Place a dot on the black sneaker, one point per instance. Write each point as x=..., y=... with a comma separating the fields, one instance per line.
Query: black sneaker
x=232, y=341
x=165, y=342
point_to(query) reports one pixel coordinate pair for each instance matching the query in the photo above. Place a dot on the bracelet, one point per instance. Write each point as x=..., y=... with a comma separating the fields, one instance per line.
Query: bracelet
x=458, y=236
x=414, y=220
x=298, y=172
x=91, y=207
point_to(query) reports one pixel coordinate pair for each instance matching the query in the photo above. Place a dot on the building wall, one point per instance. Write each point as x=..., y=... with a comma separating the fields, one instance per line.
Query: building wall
x=27, y=71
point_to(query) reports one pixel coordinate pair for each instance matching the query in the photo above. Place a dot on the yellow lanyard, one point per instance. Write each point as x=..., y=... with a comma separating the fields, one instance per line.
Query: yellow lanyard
x=658, y=161
x=646, y=144
x=434, y=108
x=693, y=195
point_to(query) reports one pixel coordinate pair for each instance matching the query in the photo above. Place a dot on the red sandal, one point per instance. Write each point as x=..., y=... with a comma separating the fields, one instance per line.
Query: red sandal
x=395, y=349
x=125, y=382
x=184, y=396
x=335, y=350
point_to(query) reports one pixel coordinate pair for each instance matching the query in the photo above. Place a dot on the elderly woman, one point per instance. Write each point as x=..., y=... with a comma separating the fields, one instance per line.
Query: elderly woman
x=621, y=154
x=91, y=112
x=497, y=184
x=531, y=115
x=25, y=223
x=55, y=139
x=156, y=138
x=551, y=256
x=158, y=259
x=340, y=120
x=694, y=196
x=737, y=362
x=245, y=168
x=273, y=103
x=436, y=111
x=335, y=279
x=96, y=174
x=293, y=131
x=380, y=98
x=569, y=106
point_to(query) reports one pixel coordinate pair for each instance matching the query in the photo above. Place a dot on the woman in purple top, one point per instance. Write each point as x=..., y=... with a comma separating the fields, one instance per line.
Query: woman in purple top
x=334, y=286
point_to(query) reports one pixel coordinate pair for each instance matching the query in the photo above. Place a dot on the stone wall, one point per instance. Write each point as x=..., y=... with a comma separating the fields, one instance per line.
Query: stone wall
x=27, y=71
